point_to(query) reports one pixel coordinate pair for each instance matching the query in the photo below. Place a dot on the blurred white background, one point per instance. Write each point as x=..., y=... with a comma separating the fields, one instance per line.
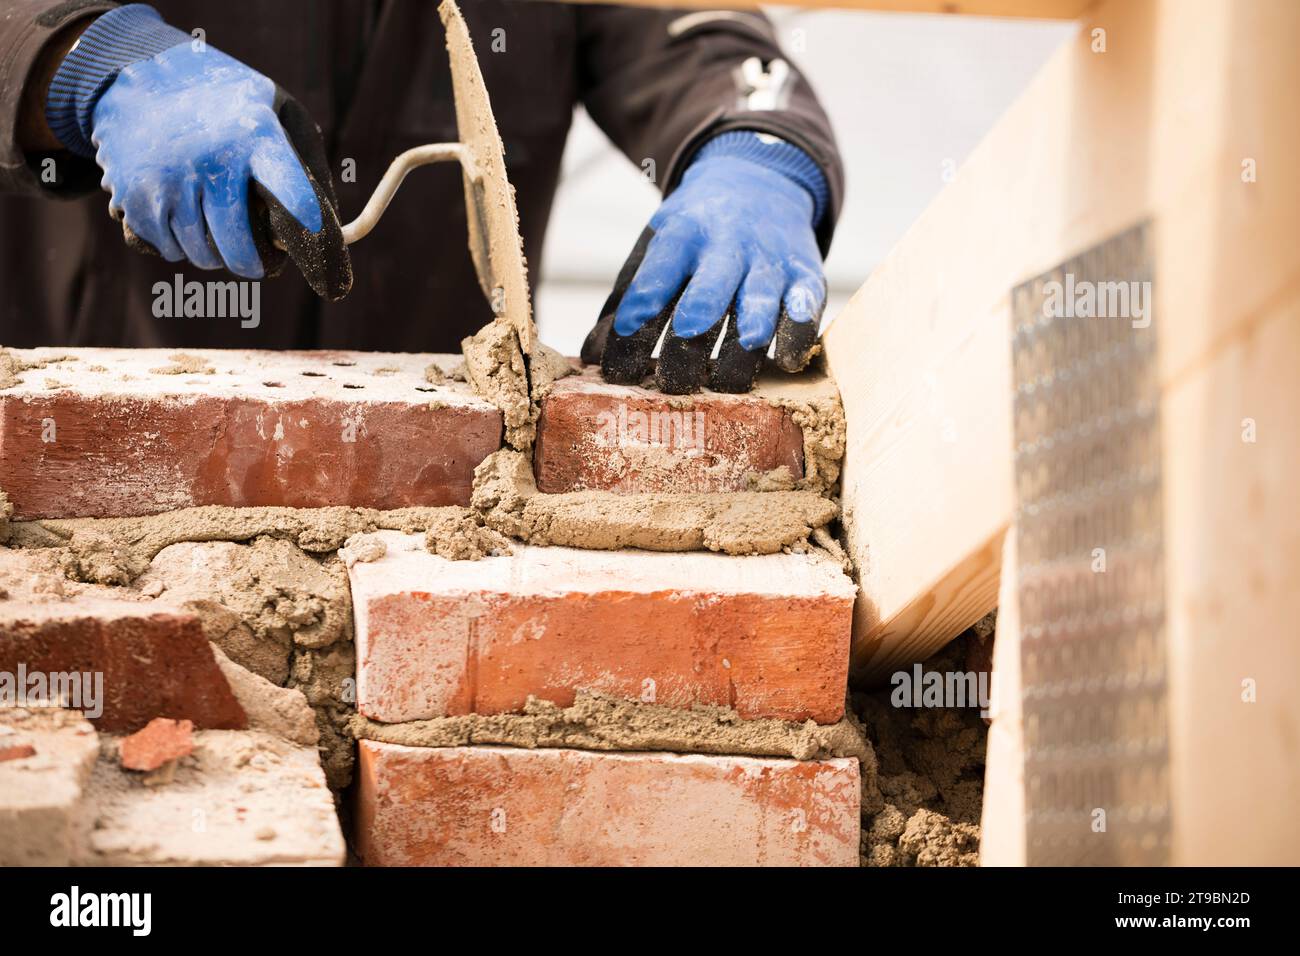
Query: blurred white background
x=909, y=97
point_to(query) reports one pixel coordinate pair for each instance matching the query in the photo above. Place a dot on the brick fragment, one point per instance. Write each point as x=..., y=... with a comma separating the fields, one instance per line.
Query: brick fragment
x=120, y=432
x=502, y=806
x=765, y=634
x=160, y=741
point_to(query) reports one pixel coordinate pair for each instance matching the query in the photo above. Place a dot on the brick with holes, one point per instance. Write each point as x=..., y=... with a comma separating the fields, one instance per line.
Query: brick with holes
x=121, y=432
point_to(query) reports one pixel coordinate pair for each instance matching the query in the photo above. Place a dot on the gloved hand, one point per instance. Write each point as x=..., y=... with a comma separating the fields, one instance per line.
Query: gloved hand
x=205, y=158
x=738, y=235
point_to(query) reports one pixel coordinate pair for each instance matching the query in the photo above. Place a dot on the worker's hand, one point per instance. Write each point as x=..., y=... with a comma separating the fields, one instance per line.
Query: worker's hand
x=732, y=260
x=205, y=158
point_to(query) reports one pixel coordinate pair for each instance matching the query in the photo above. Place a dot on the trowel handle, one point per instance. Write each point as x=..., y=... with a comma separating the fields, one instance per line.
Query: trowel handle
x=360, y=227
x=405, y=162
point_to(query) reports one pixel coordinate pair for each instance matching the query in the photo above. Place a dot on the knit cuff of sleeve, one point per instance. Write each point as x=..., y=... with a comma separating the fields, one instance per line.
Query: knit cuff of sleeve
x=111, y=43
x=777, y=155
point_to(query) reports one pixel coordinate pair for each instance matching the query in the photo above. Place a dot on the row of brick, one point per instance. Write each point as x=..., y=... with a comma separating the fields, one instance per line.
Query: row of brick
x=124, y=662
x=767, y=635
x=127, y=433
x=121, y=432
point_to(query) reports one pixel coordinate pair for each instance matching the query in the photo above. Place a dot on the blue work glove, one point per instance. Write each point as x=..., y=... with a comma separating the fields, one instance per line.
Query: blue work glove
x=205, y=158
x=731, y=258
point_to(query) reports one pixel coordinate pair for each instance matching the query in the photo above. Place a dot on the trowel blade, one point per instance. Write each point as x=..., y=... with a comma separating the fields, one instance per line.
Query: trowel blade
x=494, y=240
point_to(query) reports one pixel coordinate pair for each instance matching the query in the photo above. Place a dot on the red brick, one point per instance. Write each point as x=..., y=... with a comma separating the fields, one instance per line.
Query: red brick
x=153, y=662
x=592, y=435
x=159, y=742
x=301, y=429
x=501, y=806
x=765, y=634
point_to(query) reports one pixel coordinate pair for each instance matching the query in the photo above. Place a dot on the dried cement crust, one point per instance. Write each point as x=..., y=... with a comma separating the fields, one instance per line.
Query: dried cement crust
x=824, y=432
x=599, y=722
x=500, y=372
x=11, y=366
x=282, y=711
x=284, y=596
x=930, y=779
x=506, y=495
x=118, y=550
x=813, y=403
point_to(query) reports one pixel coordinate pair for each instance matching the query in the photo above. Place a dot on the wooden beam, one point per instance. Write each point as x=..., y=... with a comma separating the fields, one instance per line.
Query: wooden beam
x=1030, y=9
x=1100, y=141
x=1176, y=114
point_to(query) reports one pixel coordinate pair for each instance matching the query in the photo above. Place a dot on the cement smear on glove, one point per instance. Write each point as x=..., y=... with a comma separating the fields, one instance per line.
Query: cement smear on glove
x=506, y=495
x=599, y=722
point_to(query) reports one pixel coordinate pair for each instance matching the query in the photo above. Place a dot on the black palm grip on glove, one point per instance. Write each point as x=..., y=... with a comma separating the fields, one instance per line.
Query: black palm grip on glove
x=321, y=257
x=622, y=364
x=685, y=365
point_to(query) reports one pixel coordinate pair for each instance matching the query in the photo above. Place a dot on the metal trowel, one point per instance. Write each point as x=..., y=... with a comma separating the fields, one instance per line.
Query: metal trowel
x=494, y=241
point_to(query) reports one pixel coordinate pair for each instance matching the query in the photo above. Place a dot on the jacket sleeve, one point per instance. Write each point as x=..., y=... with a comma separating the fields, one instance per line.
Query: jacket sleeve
x=661, y=83
x=26, y=26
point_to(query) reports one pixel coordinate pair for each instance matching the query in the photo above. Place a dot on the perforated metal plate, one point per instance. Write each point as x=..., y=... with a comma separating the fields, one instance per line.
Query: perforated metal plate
x=1090, y=553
